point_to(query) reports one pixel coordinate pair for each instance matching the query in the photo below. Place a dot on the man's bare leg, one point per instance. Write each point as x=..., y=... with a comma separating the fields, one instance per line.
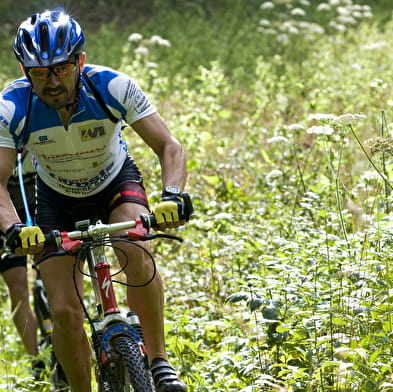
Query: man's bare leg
x=69, y=338
x=24, y=318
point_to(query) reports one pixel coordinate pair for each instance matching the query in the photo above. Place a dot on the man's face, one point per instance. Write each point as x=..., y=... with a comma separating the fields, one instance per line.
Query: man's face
x=56, y=85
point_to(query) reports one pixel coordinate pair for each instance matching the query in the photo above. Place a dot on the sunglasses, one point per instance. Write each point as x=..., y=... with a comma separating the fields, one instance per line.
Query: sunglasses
x=60, y=70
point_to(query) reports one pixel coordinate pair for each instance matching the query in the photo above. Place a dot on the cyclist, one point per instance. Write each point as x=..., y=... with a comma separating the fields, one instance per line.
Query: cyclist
x=84, y=171
x=14, y=268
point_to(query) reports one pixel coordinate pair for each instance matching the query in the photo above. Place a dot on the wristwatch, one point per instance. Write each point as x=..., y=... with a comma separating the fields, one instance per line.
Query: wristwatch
x=171, y=190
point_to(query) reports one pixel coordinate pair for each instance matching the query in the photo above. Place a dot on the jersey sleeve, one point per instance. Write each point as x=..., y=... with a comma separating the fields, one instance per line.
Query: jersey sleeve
x=13, y=108
x=131, y=97
x=7, y=110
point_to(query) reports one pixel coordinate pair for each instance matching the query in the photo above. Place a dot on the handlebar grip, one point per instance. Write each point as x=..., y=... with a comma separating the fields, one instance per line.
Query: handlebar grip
x=188, y=207
x=149, y=221
x=53, y=239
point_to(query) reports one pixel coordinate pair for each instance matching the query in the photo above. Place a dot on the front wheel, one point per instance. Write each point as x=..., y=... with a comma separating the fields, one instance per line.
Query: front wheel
x=126, y=371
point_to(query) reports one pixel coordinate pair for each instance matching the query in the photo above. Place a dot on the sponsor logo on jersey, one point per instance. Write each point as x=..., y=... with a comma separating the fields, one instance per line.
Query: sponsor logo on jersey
x=42, y=140
x=83, y=185
x=88, y=133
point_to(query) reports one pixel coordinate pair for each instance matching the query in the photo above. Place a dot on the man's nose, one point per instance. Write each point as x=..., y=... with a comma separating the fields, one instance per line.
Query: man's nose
x=53, y=78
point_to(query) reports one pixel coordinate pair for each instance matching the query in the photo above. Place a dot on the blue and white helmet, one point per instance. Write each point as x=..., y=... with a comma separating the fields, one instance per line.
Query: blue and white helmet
x=48, y=38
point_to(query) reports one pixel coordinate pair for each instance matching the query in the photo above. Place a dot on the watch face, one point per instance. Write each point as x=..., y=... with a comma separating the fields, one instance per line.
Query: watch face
x=175, y=190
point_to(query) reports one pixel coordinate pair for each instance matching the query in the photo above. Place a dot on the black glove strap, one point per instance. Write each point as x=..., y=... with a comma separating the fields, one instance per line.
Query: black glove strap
x=13, y=240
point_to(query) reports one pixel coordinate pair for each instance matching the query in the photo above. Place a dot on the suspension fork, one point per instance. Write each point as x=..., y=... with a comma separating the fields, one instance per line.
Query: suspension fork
x=104, y=293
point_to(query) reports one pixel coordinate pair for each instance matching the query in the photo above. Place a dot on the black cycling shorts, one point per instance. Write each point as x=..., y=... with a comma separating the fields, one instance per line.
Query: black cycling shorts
x=12, y=261
x=57, y=211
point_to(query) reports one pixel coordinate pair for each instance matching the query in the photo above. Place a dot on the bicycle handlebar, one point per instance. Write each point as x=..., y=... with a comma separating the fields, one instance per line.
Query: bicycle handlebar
x=137, y=229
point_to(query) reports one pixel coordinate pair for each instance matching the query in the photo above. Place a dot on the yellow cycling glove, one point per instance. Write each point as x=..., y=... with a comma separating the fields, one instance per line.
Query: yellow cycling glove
x=167, y=211
x=21, y=236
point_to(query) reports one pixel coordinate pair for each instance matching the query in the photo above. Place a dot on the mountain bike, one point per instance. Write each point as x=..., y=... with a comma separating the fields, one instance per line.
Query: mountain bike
x=121, y=359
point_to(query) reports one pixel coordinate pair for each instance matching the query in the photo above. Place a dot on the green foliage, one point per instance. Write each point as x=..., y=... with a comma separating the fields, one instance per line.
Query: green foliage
x=284, y=280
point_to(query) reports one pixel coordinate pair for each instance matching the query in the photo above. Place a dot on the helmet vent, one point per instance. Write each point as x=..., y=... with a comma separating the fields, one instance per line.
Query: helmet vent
x=27, y=41
x=44, y=37
x=33, y=19
x=61, y=37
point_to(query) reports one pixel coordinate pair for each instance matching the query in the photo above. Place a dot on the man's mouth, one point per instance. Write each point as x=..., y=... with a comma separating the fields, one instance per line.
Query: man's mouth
x=54, y=93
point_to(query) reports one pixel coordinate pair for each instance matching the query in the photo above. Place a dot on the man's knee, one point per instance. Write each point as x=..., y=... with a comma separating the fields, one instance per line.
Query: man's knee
x=67, y=316
x=19, y=293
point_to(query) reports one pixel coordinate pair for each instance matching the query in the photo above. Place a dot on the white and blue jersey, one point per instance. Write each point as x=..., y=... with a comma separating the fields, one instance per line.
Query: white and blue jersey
x=83, y=159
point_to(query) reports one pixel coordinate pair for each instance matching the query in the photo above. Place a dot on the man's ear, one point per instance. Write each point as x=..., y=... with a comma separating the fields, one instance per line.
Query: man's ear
x=81, y=61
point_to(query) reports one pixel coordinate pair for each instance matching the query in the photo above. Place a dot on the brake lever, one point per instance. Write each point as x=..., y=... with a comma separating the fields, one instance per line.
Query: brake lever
x=150, y=236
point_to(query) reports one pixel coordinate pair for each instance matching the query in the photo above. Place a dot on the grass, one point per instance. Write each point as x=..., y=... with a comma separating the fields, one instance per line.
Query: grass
x=283, y=282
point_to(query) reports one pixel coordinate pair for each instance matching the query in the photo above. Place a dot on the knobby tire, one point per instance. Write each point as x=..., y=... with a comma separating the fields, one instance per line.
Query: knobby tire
x=129, y=373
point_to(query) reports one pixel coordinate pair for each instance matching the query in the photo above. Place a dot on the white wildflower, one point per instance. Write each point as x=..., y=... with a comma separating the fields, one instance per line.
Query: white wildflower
x=343, y=11
x=268, y=5
x=266, y=31
x=312, y=196
x=141, y=50
x=150, y=64
x=378, y=83
x=323, y=7
x=282, y=100
x=315, y=28
x=264, y=22
x=289, y=27
x=348, y=119
x=334, y=2
x=337, y=26
x=370, y=175
x=224, y=215
x=357, y=14
x=295, y=127
x=134, y=37
x=321, y=117
x=274, y=174
x=375, y=45
x=165, y=42
x=356, y=66
x=155, y=39
x=320, y=130
x=367, y=12
x=304, y=3
x=277, y=140
x=346, y=20
x=283, y=38
x=298, y=12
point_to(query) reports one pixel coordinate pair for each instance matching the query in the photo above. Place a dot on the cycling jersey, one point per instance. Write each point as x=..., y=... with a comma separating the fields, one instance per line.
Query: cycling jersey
x=83, y=159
